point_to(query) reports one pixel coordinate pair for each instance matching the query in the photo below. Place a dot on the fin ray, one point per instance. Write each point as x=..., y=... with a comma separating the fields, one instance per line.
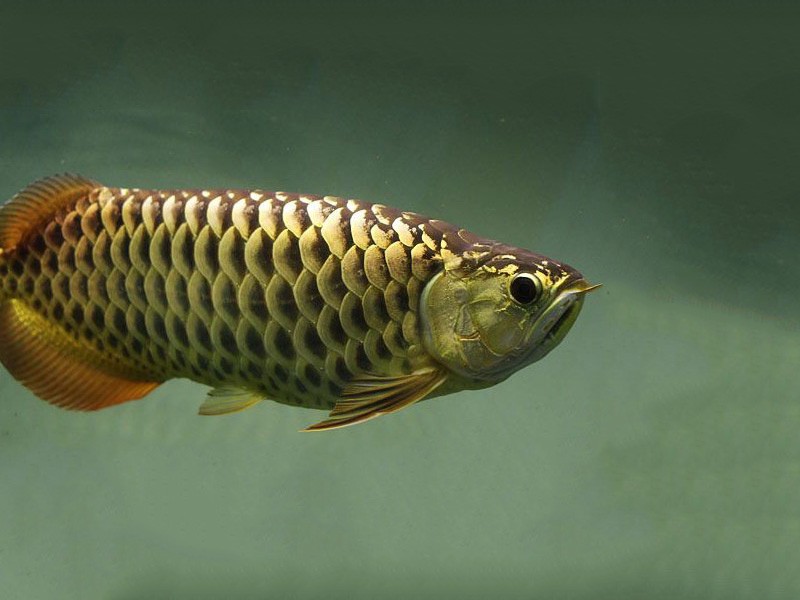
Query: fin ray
x=370, y=397
x=227, y=400
x=37, y=203
x=60, y=370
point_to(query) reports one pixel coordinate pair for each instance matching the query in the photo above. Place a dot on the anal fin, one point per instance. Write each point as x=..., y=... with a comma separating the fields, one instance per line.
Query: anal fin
x=369, y=397
x=60, y=369
x=227, y=400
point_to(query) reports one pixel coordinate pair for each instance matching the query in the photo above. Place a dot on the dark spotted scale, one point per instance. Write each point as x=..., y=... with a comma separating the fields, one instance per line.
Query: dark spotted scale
x=289, y=296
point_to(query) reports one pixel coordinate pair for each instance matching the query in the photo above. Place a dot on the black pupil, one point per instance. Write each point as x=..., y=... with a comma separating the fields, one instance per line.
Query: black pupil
x=523, y=289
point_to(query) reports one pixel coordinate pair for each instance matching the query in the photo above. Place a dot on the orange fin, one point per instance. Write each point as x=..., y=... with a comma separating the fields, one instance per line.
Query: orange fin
x=36, y=204
x=58, y=368
x=371, y=397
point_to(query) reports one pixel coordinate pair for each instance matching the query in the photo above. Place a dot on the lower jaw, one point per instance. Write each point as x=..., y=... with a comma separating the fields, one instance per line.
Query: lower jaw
x=558, y=332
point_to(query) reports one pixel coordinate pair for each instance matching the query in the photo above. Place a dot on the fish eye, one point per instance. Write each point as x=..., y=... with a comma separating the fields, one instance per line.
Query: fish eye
x=524, y=288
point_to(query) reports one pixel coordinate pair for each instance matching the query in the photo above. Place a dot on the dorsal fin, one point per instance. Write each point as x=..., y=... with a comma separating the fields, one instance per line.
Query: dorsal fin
x=60, y=369
x=37, y=203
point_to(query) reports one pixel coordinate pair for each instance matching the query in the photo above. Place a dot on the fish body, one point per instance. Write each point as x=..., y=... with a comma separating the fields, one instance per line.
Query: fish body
x=320, y=302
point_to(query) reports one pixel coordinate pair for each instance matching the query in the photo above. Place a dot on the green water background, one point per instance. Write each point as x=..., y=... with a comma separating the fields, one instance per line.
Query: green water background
x=655, y=454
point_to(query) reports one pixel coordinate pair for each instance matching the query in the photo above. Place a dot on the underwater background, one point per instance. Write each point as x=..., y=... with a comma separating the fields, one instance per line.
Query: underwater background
x=653, y=146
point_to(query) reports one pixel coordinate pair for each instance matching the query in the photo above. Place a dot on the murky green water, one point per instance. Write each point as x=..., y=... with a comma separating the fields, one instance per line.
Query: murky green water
x=655, y=454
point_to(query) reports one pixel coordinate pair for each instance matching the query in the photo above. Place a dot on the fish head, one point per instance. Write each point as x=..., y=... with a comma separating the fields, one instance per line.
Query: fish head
x=492, y=312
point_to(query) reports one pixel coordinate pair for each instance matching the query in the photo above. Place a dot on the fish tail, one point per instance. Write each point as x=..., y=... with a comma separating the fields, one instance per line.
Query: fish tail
x=38, y=352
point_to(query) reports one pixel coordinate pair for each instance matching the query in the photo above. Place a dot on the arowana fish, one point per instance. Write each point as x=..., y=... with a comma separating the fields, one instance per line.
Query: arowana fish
x=321, y=302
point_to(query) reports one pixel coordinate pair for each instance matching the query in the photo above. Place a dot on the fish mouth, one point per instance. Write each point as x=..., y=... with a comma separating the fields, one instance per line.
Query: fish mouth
x=562, y=324
x=559, y=318
x=565, y=320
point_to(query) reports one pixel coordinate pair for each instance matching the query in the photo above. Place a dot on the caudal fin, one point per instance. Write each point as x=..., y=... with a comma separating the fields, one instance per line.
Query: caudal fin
x=41, y=354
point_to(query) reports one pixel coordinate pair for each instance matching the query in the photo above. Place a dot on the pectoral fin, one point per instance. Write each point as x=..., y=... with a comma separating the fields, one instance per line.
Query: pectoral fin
x=227, y=400
x=369, y=397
